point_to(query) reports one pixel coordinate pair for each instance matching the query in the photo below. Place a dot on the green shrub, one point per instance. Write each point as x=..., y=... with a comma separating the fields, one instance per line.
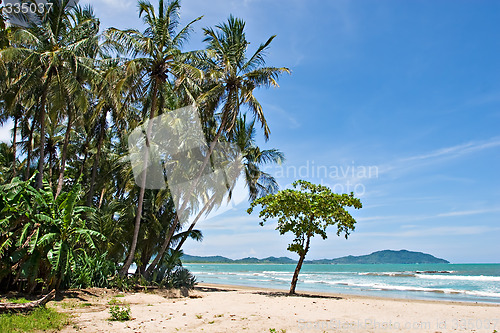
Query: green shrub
x=182, y=277
x=122, y=283
x=120, y=312
x=91, y=271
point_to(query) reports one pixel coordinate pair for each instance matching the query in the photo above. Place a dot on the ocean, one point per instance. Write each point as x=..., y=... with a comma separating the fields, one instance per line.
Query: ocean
x=451, y=282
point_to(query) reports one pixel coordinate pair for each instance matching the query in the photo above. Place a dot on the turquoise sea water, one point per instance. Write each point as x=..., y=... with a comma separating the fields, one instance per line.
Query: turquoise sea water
x=456, y=282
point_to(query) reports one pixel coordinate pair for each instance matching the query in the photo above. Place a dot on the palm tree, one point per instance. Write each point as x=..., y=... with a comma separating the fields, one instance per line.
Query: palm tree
x=156, y=53
x=54, y=59
x=7, y=159
x=258, y=182
x=107, y=97
x=4, y=40
x=231, y=79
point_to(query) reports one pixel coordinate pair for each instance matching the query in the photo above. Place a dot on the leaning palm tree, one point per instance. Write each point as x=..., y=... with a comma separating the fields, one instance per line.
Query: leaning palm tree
x=258, y=182
x=156, y=57
x=231, y=79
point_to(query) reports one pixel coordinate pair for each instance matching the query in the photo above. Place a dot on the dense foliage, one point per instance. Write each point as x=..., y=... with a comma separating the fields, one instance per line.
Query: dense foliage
x=71, y=214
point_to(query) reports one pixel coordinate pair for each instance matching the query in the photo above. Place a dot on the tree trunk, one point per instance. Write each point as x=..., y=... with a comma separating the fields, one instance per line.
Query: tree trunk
x=163, y=248
x=60, y=181
x=130, y=257
x=137, y=225
x=191, y=227
x=166, y=243
x=41, y=161
x=27, y=173
x=51, y=166
x=14, y=146
x=299, y=266
x=96, y=161
x=85, y=155
x=102, y=198
x=18, y=307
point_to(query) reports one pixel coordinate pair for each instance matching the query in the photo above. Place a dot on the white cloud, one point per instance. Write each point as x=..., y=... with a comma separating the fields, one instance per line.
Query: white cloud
x=284, y=115
x=458, y=150
x=439, y=155
x=229, y=223
x=469, y=212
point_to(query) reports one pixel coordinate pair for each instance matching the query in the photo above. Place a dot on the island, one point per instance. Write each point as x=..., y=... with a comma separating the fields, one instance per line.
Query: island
x=378, y=257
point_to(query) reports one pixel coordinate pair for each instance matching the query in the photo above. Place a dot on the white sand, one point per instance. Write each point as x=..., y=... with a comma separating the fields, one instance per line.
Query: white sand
x=240, y=309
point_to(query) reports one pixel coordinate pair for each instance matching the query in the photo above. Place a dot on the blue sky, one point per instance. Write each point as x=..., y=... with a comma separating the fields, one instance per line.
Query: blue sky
x=407, y=89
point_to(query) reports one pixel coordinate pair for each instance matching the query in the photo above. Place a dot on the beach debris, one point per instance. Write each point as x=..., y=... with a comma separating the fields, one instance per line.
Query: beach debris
x=23, y=307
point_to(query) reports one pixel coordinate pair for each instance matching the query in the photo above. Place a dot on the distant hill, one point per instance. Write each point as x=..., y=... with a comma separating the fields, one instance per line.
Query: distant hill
x=223, y=260
x=385, y=257
x=213, y=259
x=268, y=260
x=379, y=257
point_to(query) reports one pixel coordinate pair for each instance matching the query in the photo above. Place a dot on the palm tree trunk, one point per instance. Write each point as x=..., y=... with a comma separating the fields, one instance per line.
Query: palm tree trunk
x=163, y=248
x=85, y=155
x=96, y=160
x=137, y=225
x=102, y=198
x=27, y=173
x=166, y=243
x=299, y=266
x=191, y=227
x=130, y=257
x=64, y=154
x=43, y=105
x=41, y=161
x=14, y=145
x=51, y=167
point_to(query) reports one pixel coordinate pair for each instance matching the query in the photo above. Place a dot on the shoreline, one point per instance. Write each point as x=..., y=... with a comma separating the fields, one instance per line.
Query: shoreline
x=306, y=293
x=227, y=308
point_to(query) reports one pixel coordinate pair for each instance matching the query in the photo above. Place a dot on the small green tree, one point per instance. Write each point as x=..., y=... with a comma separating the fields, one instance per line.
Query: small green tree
x=307, y=211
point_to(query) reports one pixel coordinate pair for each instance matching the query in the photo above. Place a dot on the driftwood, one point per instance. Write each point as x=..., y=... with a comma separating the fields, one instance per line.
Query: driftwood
x=22, y=307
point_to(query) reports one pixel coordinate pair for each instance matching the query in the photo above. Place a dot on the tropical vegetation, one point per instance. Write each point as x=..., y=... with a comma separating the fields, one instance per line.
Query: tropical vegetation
x=71, y=212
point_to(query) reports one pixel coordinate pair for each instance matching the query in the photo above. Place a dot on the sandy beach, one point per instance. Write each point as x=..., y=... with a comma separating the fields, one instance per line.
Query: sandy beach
x=219, y=308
